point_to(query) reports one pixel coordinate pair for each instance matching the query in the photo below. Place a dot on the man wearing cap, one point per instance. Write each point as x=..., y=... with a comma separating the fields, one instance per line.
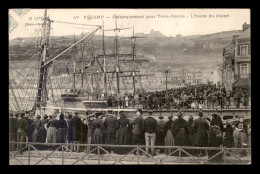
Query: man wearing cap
x=200, y=128
x=22, y=130
x=77, y=128
x=137, y=128
x=242, y=128
x=36, y=124
x=110, y=128
x=160, y=133
x=150, y=127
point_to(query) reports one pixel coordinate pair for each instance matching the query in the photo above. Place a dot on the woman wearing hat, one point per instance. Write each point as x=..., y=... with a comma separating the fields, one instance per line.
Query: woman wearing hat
x=52, y=130
x=169, y=141
x=36, y=124
x=61, y=129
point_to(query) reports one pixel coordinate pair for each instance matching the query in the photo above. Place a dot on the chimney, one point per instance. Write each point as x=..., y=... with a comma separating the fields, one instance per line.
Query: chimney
x=245, y=27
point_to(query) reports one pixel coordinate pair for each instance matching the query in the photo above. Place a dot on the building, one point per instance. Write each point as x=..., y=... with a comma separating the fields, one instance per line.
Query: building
x=242, y=59
x=237, y=61
x=228, y=65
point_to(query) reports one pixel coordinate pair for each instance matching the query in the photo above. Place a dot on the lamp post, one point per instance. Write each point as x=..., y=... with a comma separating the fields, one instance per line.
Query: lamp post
x=166, y=73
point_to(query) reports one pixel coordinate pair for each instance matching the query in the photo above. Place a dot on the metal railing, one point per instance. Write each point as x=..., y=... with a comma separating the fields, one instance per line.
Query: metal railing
x=100, y=154
x=187, y=104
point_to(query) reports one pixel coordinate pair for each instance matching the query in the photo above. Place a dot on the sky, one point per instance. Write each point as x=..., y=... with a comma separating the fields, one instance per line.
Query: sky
x=169, y=22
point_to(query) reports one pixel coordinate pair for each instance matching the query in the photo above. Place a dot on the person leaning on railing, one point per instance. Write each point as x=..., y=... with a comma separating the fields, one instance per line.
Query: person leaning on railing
x=22, y=130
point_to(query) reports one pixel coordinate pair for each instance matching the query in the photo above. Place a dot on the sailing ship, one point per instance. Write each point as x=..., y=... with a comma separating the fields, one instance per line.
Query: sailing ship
x=97, y=75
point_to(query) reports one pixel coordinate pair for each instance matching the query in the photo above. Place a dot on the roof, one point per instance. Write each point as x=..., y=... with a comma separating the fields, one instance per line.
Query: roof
x=242, y=82
x=245, y=34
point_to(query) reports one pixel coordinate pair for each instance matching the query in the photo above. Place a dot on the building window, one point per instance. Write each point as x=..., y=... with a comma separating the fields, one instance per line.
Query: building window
x=244, y=50
x=243, y=70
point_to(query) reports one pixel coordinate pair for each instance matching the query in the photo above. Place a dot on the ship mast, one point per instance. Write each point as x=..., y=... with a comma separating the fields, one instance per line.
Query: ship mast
x=41, y=98
x=104, y=56
x=116, y=55
x=82, y=61
x=74, y=69
x=133, y=40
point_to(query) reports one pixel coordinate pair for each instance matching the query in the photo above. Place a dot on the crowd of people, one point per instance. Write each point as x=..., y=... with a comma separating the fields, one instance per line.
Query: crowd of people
x=193, y=97
x=107, y=128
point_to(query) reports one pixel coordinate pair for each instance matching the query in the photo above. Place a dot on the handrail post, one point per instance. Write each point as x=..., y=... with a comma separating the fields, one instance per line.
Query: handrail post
x=62, y=155
x=180, y=154
x=29, y=154
x=137, y=149
x=224, y=155
x=98, y=154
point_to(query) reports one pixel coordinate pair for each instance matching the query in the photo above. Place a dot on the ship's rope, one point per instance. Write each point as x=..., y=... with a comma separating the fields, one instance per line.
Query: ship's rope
x=29, y=61
x=19, y=97
x=12, y=97
x=27, y=89
x=30, y=86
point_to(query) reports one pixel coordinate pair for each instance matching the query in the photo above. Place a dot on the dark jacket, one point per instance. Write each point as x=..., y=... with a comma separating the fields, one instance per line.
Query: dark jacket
x=13, y=125
x=200, y=128
x=110, y=124
x=52, y=123
x=61, y=123
x=22, y=126
x=76, y=126
x=161, y=125
x=150, y=125
x=179, y=125
x=138, y=123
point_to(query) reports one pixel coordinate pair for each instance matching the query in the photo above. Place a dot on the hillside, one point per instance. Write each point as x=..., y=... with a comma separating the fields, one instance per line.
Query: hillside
x=197, y=50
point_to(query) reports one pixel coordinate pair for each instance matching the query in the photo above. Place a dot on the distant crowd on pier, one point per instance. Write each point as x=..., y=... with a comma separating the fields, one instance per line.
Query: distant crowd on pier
x=191, y=97
x=108, y=128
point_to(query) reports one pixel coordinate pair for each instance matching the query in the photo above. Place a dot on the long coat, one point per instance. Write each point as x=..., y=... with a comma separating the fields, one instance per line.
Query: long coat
x=97, y=135
x=41, y=138
x=76, y=126
x=70, y=131
x=215, y=140
x=160, y=133
x=180, y=129
x=110, y=127
x=123, y=134
x=30, y=129
x=169, y=141
x=200, y=128
x=229, y=140
x=61, y=131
